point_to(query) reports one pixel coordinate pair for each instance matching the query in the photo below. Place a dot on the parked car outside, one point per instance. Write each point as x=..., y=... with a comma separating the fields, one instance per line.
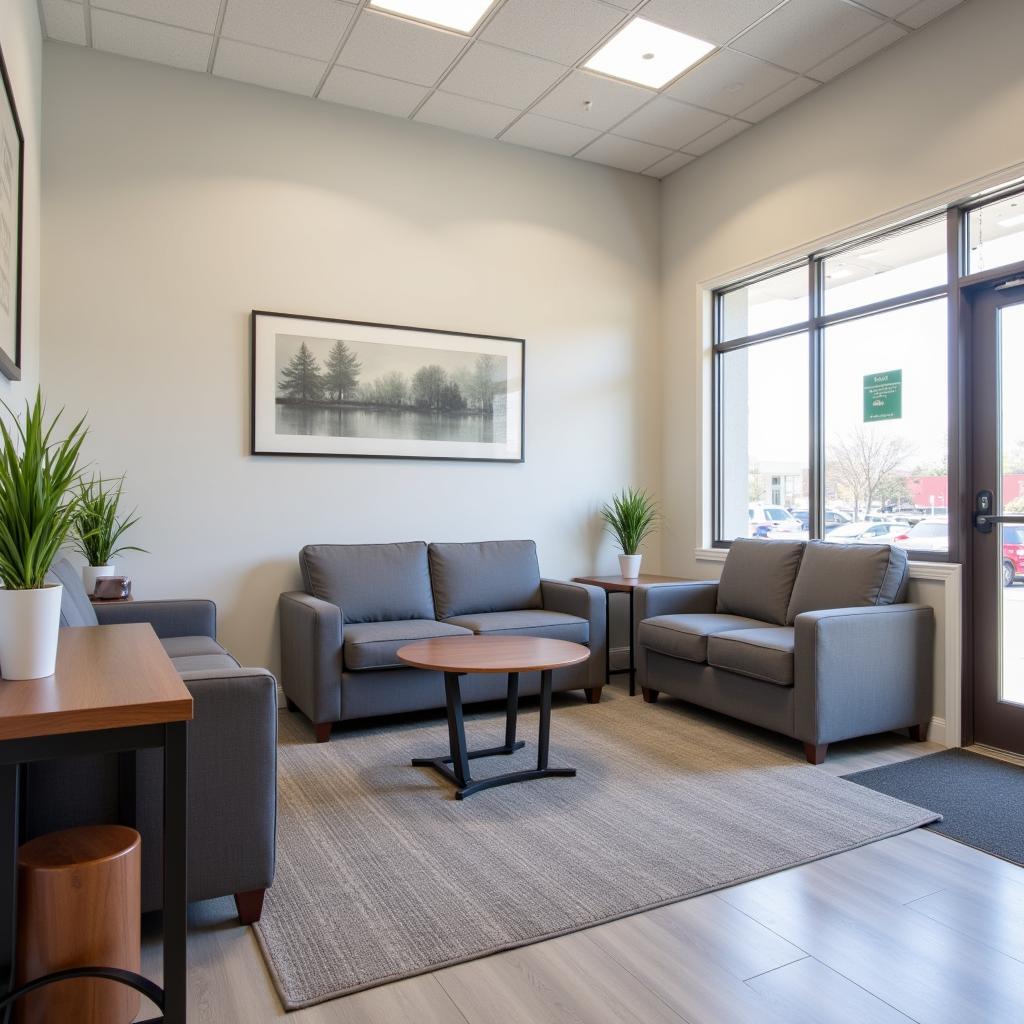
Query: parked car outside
x=1013, y=554
x=769, y=520
x=929, y=534
x=832, y=519
x=866, y=532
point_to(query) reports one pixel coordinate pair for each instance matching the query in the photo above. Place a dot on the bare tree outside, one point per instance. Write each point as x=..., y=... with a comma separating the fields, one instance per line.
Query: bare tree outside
x=862, y=466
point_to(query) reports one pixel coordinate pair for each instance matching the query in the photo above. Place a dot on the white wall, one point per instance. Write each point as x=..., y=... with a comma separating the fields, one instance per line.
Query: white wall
x=21, y=39
x=175, y=203
x=940, y=109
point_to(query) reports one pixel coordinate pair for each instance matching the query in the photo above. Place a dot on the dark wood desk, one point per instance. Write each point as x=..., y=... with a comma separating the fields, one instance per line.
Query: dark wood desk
x=623, y=585
x=114, y=691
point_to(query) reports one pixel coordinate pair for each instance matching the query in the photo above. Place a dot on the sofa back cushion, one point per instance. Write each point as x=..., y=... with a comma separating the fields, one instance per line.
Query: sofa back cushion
x=757, y=579
x=75, y=607
x=370, y=582
x=848, y=576
x=488, y=576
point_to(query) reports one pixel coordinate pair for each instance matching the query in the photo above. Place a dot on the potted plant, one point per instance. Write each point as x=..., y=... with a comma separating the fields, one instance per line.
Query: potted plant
x=98, y=528
x=630, y=518
x=38, y=505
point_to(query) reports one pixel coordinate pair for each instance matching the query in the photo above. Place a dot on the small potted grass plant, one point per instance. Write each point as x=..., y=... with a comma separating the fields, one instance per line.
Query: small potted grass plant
x=631, y=517
x=99, y=528
x=38, y=505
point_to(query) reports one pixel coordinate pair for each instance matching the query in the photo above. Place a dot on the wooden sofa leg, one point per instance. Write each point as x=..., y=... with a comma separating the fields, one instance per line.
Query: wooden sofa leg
x=593, y=694
x=290, y=704
x=650, y=696
x=815, y=752
x=249, y=905
x=919, y=732
x=323, y=731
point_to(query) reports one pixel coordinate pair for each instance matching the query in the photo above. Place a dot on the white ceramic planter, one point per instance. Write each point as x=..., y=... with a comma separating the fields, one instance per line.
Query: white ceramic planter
x=91, y=573
x=629, y=566
x=29, y=624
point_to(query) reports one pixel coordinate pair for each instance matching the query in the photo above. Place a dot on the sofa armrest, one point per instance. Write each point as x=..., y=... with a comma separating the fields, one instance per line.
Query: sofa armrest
x=168, y=618
x=585, y=602
x=311, y=638
x=650, y=599
x=859, y=671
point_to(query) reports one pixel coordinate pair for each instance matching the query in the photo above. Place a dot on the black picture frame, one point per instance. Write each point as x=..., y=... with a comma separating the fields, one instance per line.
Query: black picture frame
x=14, y=175
x=258, y=389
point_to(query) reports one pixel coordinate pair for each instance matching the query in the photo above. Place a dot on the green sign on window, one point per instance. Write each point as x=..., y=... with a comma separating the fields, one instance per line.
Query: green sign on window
x=883, y=396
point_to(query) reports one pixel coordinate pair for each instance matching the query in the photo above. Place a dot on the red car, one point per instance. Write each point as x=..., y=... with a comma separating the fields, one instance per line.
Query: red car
x=1013, y=554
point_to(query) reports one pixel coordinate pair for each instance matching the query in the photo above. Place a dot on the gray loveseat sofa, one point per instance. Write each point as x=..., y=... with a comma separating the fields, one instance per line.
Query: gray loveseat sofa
x=811, y=640
x=362, y=602
x=232, y=759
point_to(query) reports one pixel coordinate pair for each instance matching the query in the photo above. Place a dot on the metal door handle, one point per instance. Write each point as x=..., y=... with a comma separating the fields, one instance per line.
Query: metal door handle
x=980, y=520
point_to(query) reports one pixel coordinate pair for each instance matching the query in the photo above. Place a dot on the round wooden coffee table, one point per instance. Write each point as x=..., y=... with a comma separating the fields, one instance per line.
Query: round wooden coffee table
x=457, y=656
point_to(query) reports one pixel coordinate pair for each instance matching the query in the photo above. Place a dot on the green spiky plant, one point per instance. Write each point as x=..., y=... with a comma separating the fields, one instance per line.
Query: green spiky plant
x=38, y=496
x=631, y=517
x=98, y=528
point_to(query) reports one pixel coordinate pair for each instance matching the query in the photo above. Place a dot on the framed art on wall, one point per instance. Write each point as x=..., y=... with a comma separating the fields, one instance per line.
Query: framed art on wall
x=12, y=178
x=350, y=388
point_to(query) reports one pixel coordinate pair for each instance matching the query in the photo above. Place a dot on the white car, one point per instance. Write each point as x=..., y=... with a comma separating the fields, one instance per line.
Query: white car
x=930, y=534
x=771, y=520
x=866, y=532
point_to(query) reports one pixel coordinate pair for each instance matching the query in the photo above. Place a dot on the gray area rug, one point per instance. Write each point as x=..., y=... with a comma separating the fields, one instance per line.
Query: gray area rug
x=980, y=798
x=381, y=874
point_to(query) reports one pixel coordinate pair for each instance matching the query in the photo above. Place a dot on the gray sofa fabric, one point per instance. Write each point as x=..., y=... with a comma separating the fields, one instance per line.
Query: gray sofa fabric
x=757, y=579
x=848, y=576
x=831, y=674
x=765, y=654
x=490, y=576
x=75, y=607
x=335, y=669
x=530, y=622
x=686, y=636
x=232, y=758
x=370, y=582
x=370, y=645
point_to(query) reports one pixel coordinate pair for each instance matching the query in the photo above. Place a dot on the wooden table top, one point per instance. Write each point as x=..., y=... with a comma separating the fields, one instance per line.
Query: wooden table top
x=107, y=677
x=492, y=654
x=627, y=583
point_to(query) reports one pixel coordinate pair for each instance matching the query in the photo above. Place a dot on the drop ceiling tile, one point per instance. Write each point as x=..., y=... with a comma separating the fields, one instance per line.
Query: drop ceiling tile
x=465, y=115
x=858, y=51
x=399, y=48
x=888, y=8
x=923, y=12
x=497, y=75
x=552, y=136
x=148, y=40
x=626, y=154
x=610, y=101
x=729, y=81
x=626, y=5
x=64, y=21
x=560, y=30
x=789, y=93
x=715, y=137
x=664, y=122
x=371, y=92
x=271, y=68
x=663, y=168
x=198, y=15
x=805, y=32
x=309, y=28
x=717, y=21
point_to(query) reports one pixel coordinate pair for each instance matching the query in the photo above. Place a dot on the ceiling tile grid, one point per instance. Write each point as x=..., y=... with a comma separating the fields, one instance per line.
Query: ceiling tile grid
x=519, y=75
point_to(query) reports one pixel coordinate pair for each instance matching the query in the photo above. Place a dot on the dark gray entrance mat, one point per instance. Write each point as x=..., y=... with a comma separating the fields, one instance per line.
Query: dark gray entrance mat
x=981, y=800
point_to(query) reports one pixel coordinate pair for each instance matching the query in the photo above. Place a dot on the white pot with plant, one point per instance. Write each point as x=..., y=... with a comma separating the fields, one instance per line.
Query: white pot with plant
x=38, y=505
x=631, y=517
x=98, y=529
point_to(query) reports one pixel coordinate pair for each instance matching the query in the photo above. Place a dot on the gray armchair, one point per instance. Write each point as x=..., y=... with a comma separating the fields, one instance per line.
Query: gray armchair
x=810, y=640
x=232, y=759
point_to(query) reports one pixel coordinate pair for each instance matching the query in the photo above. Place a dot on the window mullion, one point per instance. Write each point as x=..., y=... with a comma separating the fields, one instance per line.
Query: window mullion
x=815, y=463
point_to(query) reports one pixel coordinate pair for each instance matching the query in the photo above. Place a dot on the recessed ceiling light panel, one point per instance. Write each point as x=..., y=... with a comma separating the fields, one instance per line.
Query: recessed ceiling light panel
x=648, y=54
x=461, y=15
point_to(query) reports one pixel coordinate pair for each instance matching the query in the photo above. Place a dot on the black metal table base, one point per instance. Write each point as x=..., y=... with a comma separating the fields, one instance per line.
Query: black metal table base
x=458, y=772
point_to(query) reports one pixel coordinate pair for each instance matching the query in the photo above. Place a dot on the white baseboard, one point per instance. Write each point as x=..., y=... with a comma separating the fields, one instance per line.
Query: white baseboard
x=937, y=732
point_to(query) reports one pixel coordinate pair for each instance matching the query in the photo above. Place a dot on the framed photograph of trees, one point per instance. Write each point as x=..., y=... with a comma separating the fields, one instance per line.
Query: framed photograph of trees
x=350, y=388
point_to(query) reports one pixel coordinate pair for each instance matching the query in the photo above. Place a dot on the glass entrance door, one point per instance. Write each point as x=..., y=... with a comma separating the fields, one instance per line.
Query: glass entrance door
x=997, y=545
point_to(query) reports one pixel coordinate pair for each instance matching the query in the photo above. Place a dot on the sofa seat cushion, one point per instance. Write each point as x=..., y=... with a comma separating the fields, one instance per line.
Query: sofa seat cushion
x=686, y=636
x=757, y=579
x=488, y=576
x=765, y=654
x=368, y=645
x=527, y=622
x=187, y=646
x=204, y=662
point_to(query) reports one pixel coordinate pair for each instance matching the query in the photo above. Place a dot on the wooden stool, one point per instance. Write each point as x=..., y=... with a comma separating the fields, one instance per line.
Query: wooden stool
x=78, y=906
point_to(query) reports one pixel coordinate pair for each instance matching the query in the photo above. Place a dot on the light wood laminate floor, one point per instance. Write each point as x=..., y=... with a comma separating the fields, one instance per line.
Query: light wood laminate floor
x=914, y=928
